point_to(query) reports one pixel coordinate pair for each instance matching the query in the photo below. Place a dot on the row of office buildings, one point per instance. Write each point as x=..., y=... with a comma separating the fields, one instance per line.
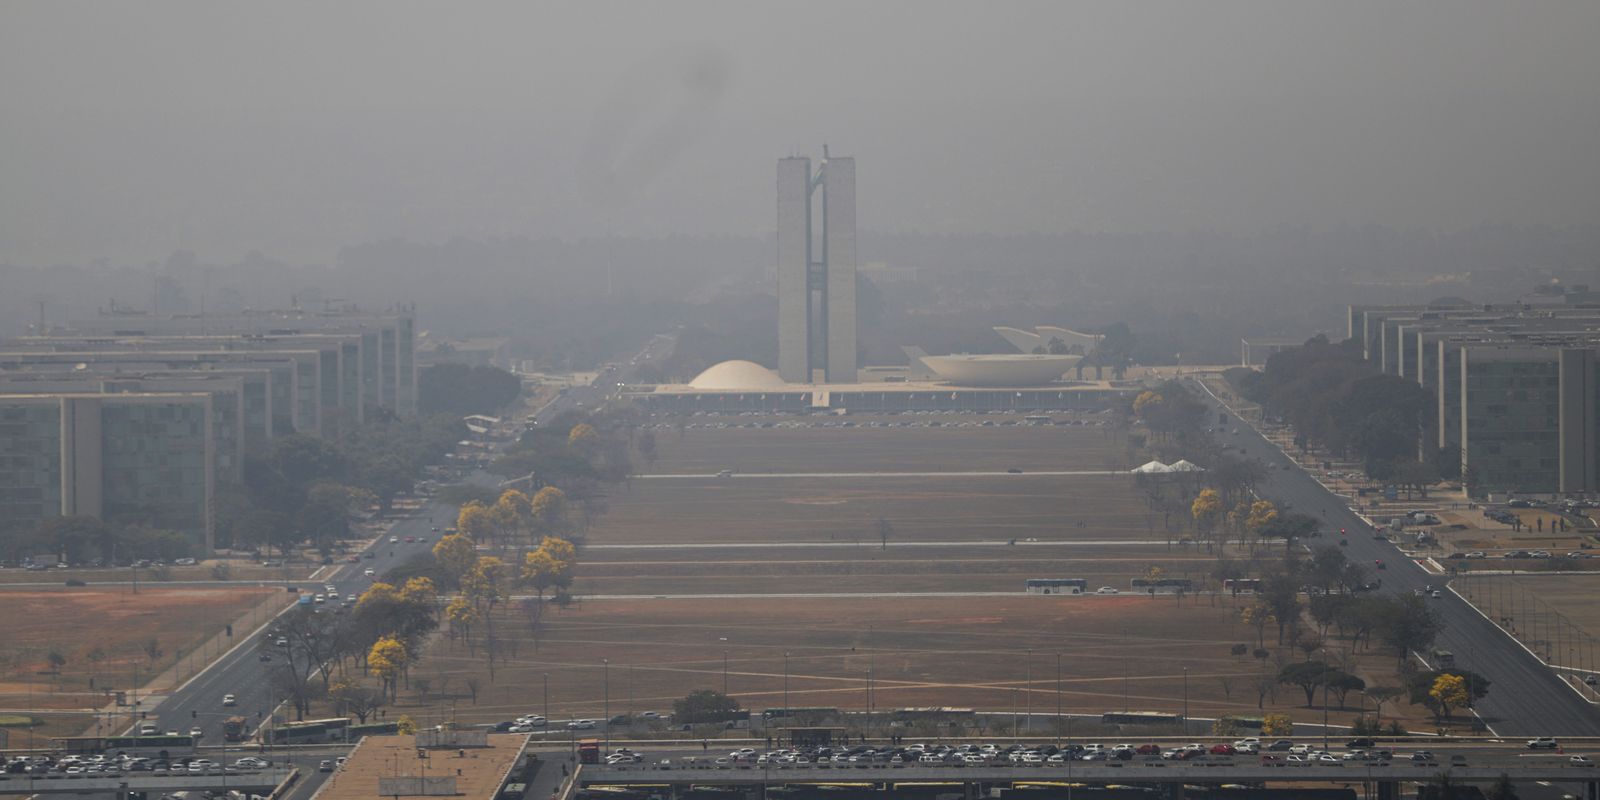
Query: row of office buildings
x=142, y=417
x=1515, y=387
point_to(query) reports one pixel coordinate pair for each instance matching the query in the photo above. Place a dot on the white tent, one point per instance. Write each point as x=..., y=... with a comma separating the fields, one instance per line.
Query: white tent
x=1153, y=468
x=1186, y=465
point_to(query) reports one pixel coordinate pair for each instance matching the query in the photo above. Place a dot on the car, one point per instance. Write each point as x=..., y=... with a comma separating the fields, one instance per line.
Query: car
x=325, y=765
x=1106, y=590
x=532, y=721
x=370, y=572
x=581, y=725
x=1422, y=757
x=330, y=588
x=264, y=657
x=650, y=715
x=280, y=642
x=435, y=529
x=1280, y=746
x=1543, y=743
x=1361, y=744
x=196, y=732
x=1580, y=760
x=411, y=540
x=1378, y=562
x=394, y=540
x=229, y=700
x=369, y=554
x=1591, y=680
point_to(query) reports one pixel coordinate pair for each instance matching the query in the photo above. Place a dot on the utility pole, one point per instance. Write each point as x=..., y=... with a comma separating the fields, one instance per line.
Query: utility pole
x=605, y=681
x=1058, y=699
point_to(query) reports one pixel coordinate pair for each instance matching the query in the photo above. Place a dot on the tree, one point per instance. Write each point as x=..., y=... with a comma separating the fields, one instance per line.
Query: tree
x=1258, y=615
x=549, y=510
x=462, y=389
x=353, y=698
x=1206, y=509
x=405, y=725
x=462, y=616
x=1343, y=683
x=387, y=660
x=542, y=570
x=151, y=648
x=513, y=511
x=1308, y=675
x=1448, y=691
x=704, y=705
x=1277, y=725
x=583, y=440
x=1384, y=694
x=457, y=554
x=57, y=661
x=474, y=685
x=1410, y=624
x=476, y=522
x=1503, y=788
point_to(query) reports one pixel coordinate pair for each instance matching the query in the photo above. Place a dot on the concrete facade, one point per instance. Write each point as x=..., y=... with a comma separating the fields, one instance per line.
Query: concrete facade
x=148, y=457
x=816, y=270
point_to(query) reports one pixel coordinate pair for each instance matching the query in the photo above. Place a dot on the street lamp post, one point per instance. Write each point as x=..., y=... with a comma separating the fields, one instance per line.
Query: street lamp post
x=1324, y=701
x=1027, y=689
x=605, y=682
x=547, y=698
x=1058, y=699
x=1186, y=701
x=786, y=687
x=724, y=673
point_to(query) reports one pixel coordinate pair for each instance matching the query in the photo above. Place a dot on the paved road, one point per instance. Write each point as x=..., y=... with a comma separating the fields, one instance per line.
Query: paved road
x=1067, y=473
x=198, y=703
x=1526, y=698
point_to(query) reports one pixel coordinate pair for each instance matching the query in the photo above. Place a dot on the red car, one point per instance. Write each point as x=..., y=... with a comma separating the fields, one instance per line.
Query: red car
x=1149, y=750
x=1222, y=749
x=411, y=540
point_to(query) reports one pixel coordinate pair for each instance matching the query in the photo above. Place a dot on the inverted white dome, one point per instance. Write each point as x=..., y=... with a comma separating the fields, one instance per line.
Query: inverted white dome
x=1000, y=370
x=735, y=376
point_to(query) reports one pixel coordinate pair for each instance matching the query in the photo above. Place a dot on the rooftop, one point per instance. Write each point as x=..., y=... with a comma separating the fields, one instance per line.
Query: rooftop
x=479, y=772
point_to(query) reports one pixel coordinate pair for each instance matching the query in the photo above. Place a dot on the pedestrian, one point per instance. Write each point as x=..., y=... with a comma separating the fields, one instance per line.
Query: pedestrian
x=704, y=745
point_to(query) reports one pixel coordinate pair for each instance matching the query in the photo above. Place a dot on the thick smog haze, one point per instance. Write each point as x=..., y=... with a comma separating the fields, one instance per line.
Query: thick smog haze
x=294, y=129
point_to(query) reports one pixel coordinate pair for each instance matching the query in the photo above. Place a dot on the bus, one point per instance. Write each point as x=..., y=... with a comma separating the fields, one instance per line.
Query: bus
x=1241, y=585
x=1056, y=585
x=1139, y=718
x=355, y=732
x=163, y=747
x=235, y=729
x=312, y=731
x=588, y=751
x=801, y=712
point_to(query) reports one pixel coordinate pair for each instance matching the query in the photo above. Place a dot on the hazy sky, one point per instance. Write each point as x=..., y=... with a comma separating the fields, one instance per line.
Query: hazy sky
x=128, y=130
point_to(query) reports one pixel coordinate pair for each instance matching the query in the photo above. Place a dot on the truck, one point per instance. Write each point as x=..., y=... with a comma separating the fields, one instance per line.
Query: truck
x=235, y=729
x=588, y=751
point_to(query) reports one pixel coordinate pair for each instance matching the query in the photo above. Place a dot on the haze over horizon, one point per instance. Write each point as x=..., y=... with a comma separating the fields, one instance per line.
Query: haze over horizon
x=297, y=128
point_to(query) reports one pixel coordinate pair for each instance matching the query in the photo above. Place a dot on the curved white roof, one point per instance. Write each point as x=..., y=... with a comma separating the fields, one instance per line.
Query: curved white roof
x=1000, y=370
x=737, y=376
x=1153, y=468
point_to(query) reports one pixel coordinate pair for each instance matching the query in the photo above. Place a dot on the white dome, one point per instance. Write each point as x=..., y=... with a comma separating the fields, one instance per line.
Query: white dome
x=1000, y=370
x=736, y=376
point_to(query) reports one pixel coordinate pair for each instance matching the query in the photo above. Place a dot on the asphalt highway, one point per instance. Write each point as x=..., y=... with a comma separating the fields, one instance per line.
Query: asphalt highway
x=1525, y=698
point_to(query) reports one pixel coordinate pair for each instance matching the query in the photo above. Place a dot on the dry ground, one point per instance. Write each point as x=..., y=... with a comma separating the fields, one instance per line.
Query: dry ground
x=867, y=568
x=921, y=651
x=915, y=449
x=989, y=652
x=77, y=622
x=985, y=508
x=1555, y=615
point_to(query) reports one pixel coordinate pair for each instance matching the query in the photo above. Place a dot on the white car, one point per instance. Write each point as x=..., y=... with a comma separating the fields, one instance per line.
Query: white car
x=196, y=732
x=370, y=572
x=229, y=700
x=532, y=721
x=650, y=715
x=394, y=540
x=581, y=725
x=1106, y=590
